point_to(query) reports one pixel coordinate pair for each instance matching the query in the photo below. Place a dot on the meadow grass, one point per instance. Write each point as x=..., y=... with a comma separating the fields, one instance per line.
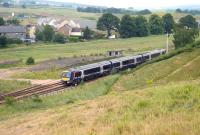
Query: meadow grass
x=12, y=85
x=53, y=73
x=41, y=52
x=62, y=12
x=142, y=102
x=165, y=109
x=86, y=91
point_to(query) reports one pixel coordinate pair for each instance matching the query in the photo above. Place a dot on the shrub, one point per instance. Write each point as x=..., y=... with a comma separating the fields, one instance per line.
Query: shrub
x=3, y=41
x=36, y=98
x=9, y=100
x=59, y=38
x=74, y=39
x=14, y=41
x=30, y=61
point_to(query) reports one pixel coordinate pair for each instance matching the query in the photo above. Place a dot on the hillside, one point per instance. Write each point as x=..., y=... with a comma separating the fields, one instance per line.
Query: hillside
x=159, y=98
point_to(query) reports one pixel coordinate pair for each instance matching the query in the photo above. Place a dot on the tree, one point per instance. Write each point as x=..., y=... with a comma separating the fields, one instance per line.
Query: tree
x=59, y=38
x=13, y=21
x=3, y=41
x=189, y=22
x=127, y=27
x=108, y=22
x=168, y=22
x=2, y=22
x=156, y=25
x=141, y=26
x=183, y=36
x=48, y=33
x=87, y=34
x=178, y=10
x=144, y=12
x=39, y=35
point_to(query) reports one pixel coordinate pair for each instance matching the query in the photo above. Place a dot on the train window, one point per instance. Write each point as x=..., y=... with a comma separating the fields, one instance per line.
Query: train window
x=77, y=74
x=116, y=64
x=92, y=71
x=155, y=55
x=146, y=57
x=139, y=59
x=131, y=61
x=106, y=67
x=125, y=62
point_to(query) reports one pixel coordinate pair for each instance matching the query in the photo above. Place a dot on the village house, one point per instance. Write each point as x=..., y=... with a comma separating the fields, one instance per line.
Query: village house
x=17, y=32
x=63, y=26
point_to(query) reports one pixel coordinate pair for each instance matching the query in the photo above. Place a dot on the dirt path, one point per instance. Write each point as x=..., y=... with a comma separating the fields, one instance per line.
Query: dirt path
x=7, y=73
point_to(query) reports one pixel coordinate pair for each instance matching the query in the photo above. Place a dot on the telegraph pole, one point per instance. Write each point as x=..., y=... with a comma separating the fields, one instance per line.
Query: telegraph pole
x=167, y=43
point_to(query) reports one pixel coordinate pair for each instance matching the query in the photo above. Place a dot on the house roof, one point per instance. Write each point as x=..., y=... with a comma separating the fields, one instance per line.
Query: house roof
x=12, y=29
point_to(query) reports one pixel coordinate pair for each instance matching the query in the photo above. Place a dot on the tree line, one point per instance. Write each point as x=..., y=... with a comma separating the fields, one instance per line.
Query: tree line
x=184, y=32
x=112, y=10
x=192, y=12
x=10, y=21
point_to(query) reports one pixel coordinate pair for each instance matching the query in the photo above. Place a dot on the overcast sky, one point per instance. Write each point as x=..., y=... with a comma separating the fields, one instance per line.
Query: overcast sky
x=138, y=4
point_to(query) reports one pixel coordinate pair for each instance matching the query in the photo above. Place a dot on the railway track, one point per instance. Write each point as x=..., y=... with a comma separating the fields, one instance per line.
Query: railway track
x=34, y=90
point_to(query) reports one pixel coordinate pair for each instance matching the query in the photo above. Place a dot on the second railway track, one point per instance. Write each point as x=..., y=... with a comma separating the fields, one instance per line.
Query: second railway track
x=34, y=90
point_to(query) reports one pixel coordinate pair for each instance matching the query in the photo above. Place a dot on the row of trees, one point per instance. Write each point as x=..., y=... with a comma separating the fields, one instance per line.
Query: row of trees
x=136, y=26
x=11, y=21
x=113, y=10
x=192, y=12
x=184, y=32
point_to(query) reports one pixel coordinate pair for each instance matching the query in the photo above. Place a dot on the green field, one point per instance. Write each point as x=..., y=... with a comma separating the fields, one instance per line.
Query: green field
x=153, y=99
x=50, y=12
x=43, y=52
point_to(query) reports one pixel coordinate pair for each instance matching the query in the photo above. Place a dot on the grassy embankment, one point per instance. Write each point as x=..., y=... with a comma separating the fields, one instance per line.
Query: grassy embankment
x=159, y=98
x=12, y=85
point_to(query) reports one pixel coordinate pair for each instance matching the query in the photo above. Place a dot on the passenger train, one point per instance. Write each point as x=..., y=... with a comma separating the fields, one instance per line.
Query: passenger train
x=91, y=71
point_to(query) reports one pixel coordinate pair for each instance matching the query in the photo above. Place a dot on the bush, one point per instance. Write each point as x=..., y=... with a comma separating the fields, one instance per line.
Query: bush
x=36, y=98
x=14, y=41
x=30, y=61
x=3, y=41
x=9, y=100
x=59, y=38
x=74, y=39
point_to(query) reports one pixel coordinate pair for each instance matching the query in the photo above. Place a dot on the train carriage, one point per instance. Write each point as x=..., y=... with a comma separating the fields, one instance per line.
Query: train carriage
x=91, y=71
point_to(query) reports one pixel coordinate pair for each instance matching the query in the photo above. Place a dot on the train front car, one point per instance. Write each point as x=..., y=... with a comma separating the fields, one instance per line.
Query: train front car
x=67, y=77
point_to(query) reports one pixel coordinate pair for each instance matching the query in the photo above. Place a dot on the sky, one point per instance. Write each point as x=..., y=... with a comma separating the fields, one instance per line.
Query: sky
x=137, y=4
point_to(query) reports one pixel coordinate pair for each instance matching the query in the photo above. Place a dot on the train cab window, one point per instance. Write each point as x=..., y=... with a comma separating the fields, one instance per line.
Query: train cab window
x=106, y=67
x=66, y=74
x=77, y=74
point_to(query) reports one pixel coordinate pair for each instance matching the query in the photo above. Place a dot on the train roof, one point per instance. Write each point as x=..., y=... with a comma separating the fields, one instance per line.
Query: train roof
x=125, y=58
x=92, y=65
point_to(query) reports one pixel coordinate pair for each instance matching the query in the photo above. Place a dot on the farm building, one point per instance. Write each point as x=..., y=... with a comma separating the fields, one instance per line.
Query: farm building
x=115, y=53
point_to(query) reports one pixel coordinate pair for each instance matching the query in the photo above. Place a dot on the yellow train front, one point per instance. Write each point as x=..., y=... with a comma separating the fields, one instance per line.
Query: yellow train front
x=66, y=77
x=71, y=77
